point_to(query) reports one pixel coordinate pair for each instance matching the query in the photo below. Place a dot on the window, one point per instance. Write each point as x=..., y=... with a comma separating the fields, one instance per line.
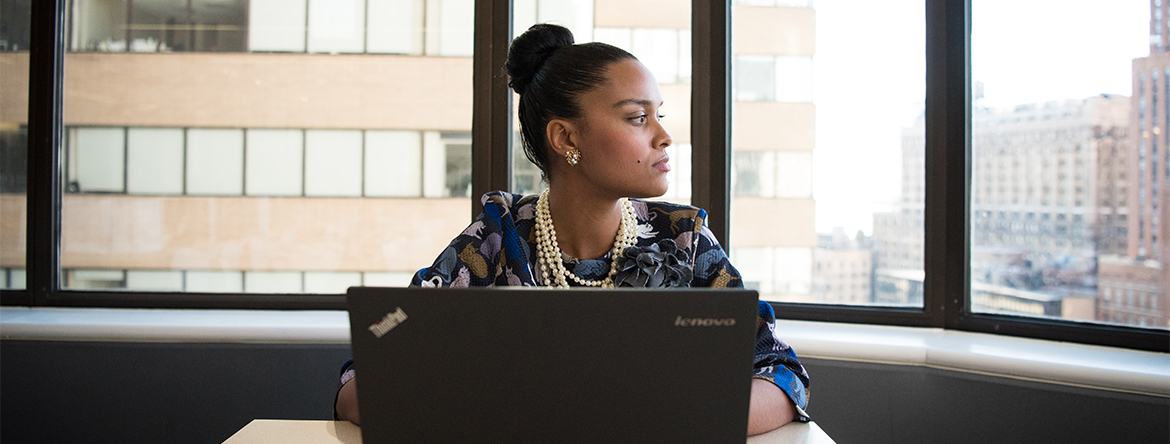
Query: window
x=276, y=25
x=392, y=26
x=333, y=163
x=274, y=162
x=577, y=15
x=160, y=25
x=167, y=198
x=215, y=162
x=337, y=26
x=97, y=160
x=154, y=161
x=662, y=42
x=755, y=78
x=1088, y=261
x=804, y=186
x=451, y=36
x=393, y=162
x=14, y=58
x=666, y=52
x=274, y=186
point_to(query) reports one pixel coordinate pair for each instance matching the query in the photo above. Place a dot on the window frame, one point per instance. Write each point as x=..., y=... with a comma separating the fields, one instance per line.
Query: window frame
x=947, y=203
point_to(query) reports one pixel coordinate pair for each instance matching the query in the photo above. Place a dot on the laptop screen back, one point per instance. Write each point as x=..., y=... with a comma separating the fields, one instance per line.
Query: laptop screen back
x=523, y=365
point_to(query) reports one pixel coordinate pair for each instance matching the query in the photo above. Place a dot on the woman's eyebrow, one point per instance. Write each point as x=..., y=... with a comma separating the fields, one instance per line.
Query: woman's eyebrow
x=642, y=102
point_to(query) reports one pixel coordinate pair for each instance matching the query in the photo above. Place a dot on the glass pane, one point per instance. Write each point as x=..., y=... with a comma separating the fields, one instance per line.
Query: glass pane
x=660, y=37
x=14, y=43
x=1069, y=172
x=154, y=161
x=158, y=25
x=827, y=140
x=263, y=147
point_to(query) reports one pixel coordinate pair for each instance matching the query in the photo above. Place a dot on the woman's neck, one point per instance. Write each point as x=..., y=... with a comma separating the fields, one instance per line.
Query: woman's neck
x=586, y=225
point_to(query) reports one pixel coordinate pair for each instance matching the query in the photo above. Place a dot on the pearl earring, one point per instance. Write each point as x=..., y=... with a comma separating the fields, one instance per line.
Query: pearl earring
x=573, y=156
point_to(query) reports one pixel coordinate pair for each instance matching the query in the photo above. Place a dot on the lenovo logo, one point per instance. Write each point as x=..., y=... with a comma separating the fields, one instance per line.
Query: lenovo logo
x=388, y=322
x=703, y=322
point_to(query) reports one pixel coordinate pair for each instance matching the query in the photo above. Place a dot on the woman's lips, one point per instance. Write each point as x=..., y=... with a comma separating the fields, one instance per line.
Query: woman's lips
x=663, y=165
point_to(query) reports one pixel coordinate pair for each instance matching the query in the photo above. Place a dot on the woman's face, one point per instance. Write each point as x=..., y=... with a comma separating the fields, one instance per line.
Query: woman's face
x=622, y=142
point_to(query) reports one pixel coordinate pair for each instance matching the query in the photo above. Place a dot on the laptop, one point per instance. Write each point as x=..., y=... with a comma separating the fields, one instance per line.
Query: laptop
x=542, y=365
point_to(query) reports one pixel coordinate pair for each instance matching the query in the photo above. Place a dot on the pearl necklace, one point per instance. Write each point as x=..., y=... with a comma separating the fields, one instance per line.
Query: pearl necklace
x=549, y=251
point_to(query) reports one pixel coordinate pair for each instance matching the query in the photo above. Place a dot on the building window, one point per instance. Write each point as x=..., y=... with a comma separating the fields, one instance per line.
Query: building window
x=333, y=163
x=274, y=162
x=215, y=162
x=161, y=26
x=154, y=161
x=337, y=26
x=97, y=160
x=755, y=78
x=393, y=162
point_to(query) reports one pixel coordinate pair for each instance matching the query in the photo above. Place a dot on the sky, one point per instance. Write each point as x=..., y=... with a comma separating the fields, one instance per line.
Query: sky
x=870, y=81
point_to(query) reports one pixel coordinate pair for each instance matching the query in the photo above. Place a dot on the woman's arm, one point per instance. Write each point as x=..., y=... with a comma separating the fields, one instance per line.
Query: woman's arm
x=346, y=407
x=776, y=365
x=770, y=408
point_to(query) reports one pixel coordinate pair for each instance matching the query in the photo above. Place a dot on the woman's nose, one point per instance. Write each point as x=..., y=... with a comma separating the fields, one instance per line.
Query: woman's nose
x=664, y=139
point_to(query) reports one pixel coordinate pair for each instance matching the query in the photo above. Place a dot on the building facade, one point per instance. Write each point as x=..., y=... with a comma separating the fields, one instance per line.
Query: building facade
x=842, y=270
x=289, y=146
x=1135, y=286
x=898, y=238
x=1035, y=179
x=1048, y=195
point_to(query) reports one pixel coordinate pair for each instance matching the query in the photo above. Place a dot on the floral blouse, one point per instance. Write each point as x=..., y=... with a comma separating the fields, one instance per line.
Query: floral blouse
x=499, y=249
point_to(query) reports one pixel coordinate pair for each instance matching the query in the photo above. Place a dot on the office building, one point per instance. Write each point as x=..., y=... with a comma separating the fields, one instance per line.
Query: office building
x=263, y=146
x=897, y=235
x=842, y=269
x=772, y=210
x=1034, y=180
x=1048, y=196
x=1135, y=285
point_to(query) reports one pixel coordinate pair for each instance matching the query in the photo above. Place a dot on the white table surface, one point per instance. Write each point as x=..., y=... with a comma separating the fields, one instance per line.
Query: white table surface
x=344, y=432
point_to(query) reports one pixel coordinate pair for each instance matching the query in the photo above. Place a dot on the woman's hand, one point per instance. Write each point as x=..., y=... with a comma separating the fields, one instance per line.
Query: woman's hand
x=347, y=405
x=770, y=408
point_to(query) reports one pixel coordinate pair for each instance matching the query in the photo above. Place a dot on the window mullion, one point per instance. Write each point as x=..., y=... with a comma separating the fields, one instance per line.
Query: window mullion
x=948, y=124
x=711, y=114
x=491, y=122
x=46, y=67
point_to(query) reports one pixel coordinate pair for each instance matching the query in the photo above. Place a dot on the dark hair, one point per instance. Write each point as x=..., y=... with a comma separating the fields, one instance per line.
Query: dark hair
x=550, y=73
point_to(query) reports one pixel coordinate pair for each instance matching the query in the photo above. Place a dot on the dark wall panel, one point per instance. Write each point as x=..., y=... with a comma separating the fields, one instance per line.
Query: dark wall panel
x=880, y=403
x=157, y=392
x=52, y=391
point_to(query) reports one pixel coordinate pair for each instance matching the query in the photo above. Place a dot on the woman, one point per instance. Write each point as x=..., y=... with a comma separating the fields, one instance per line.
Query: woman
x=589, y=117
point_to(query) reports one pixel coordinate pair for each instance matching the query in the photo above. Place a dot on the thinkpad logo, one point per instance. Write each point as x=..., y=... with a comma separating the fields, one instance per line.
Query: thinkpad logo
x=703, y=322
x=388, y=322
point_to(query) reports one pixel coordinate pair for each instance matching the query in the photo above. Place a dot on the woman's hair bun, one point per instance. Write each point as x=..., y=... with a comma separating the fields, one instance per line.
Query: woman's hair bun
x=530, y=50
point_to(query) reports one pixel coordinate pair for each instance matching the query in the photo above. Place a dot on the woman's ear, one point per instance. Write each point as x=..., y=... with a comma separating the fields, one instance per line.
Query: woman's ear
x=561, y=136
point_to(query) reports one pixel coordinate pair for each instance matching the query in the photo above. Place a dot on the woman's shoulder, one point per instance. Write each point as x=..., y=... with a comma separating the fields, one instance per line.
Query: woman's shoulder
x=659, y=212
x=506, y=202
x=662, y=205
x=517, y=206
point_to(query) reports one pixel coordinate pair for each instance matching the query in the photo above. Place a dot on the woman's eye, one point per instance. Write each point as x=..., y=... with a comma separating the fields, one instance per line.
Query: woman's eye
x=641, y=118
x=661, y=116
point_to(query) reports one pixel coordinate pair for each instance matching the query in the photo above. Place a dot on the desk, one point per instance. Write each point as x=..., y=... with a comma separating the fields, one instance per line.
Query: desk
x=344, y=432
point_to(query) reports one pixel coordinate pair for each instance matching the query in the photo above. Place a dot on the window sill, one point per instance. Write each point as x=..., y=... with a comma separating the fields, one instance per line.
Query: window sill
x=1063, y=363
x=139, y=325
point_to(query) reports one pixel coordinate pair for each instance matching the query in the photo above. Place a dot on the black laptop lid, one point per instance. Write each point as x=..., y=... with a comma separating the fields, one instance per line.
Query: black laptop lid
x=521, y=365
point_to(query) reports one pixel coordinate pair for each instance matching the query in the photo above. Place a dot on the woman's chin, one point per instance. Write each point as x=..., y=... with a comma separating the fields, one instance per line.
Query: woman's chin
x=651, y=192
